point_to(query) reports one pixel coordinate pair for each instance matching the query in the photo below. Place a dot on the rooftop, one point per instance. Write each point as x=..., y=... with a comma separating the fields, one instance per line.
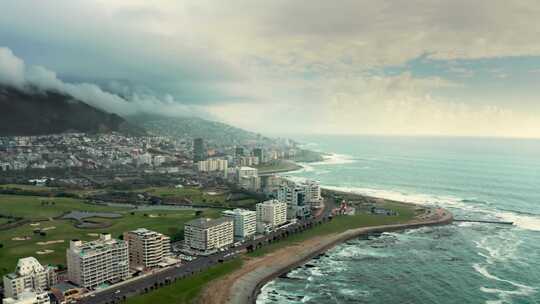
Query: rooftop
x=237, y=211
x=271, y=202
x=207, y=223
x=143, y=232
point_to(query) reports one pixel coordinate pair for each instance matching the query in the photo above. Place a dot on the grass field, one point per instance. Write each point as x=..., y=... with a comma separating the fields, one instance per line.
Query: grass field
x=194, y=194
x=29, y=207
x=3, y=220
x=343, y=223
x=27, y=187
x=199, y=196
x=33, y=207
x=186, y=291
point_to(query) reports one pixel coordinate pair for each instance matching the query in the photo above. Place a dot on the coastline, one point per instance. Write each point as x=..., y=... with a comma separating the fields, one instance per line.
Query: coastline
x=334, y=241
x=244, y=285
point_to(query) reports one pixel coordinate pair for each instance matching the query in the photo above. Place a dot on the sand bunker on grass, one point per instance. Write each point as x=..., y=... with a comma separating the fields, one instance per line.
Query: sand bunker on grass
x=21, y=238
x=50, y=242
x=46, y=251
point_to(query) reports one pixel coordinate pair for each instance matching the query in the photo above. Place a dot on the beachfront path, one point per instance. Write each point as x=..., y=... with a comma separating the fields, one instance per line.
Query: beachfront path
x=243, y=285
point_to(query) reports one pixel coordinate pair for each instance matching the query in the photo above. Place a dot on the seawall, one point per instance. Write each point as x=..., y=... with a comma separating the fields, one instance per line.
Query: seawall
x=247, y=288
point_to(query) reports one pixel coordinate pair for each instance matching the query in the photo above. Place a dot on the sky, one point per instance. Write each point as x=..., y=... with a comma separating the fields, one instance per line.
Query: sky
x=403, y=67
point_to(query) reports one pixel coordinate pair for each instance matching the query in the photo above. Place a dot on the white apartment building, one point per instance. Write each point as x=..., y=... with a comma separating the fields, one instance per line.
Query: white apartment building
x=246, y=172
x=204, y=235
x=312, y=191
x=29, y=297
x=245, y=222
x=29, y=275
x=270, y=215
x=295, y=198
x=271, y=184
x=147, y=249
x=93, y=263
x=251, y=183
x=213, y=164
x=248, y=161
x=300, y=197
x=248, y=178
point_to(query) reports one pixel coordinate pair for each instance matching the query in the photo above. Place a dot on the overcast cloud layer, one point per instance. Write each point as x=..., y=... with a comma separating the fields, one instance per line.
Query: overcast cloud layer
x=450, y=67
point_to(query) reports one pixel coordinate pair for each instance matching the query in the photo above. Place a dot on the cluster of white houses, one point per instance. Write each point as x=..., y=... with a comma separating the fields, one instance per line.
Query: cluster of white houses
x=108, y=260
x=294, y=200
x=90, y=265
x=205, y=236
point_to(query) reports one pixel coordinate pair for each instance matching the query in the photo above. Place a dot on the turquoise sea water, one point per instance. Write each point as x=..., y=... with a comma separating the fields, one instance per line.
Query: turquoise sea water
x=476, y=178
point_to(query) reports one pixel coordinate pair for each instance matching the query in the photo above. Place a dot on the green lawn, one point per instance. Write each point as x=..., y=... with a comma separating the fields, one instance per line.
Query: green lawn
x=199, y=197
x=3, y=220
x=196, y=195
x=27, y=187
x=32, y=207
x=343, y=223
x=29, y=207
x=186, y=290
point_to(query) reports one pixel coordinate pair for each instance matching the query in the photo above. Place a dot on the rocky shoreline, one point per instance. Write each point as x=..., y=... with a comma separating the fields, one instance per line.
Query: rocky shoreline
x=244, y=285
x=332, y=242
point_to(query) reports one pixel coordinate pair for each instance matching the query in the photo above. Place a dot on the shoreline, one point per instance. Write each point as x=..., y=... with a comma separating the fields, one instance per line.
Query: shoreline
x=244, y=285
x=342, y=238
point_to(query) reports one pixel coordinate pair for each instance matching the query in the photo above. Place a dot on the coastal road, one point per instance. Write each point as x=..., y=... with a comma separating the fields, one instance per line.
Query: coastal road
x=162, y=277
x=119, y=292
x=151, y=281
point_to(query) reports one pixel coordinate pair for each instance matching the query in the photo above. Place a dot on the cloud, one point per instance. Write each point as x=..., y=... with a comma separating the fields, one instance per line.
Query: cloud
x=11, y=68
x=272, y=65
x=193, y=49
x=398, y=105
x=461, y=71
x=14, y=72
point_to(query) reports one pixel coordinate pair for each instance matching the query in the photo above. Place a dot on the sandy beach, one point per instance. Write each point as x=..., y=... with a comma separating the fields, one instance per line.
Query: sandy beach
x=243, y=285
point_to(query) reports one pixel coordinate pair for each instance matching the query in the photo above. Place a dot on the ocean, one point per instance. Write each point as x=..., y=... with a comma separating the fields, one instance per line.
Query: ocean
x=475, y=178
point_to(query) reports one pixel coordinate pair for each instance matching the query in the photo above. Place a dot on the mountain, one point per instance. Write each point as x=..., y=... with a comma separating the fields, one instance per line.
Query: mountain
x=34, y=112
x=194, y=127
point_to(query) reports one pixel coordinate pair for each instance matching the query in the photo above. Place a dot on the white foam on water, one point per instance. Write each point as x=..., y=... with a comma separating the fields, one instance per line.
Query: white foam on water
x=500, y=247
x=422, y=199
x=335, y=159
x=467, y=224
x=527, y=222
x=321, y=172
x=305, y=168
x=349, y=292
x=504, y=295
x=425, y=229
x=352, y=251
x=316, y=271
x=264, y=296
